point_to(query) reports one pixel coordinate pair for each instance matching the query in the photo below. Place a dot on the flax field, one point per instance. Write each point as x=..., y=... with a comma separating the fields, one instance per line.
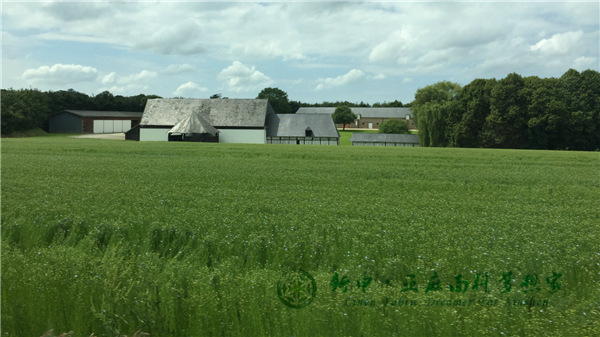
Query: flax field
x=116, y=238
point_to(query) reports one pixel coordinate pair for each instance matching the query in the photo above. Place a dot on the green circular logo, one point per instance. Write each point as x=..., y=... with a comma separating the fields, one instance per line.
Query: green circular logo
x=297, y=289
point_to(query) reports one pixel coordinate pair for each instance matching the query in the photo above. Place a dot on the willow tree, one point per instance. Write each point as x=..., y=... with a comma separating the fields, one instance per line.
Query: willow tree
x=433, y=107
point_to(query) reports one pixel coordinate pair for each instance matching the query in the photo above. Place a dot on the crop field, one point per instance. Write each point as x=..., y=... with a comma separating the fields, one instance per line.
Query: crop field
x=193, y=239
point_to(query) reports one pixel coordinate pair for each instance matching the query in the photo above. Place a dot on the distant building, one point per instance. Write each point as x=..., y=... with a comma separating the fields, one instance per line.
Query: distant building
x=85, y=121
x=384, y=139
x=367, y=118
x=222, y=120
x=315, y=129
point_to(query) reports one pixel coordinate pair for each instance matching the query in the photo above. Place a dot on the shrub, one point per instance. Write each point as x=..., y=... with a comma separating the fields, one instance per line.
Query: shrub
x=394, y=126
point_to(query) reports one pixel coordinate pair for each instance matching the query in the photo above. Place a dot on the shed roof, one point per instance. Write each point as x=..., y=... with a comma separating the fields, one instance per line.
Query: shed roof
x=294, y=125
x=102, y=114
x=363, y=112
x=194, y=123
x=217, y=112
x=384, y=138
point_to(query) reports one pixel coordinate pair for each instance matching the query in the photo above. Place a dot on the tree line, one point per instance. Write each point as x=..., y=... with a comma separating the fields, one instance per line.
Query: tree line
x=514, y=112
x=283, y=105
x=25, y=109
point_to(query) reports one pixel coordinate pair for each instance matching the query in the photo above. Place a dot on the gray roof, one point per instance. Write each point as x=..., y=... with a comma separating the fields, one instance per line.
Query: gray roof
x=384, y=138
x=363, y=112
x=102, y=114
x=217, y=112
x=294, y=125
x=194, y=123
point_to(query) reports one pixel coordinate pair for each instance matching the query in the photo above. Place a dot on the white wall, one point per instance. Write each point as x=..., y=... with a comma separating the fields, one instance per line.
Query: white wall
x=242, y=136
x=225, y=136
x=111, y=126
x=147, y=134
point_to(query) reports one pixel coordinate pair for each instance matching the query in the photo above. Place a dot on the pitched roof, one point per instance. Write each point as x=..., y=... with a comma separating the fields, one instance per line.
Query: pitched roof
x=294, y=125
x=384, y=138
x=363, y=112
x=217, y=112
x=102, y=114
x=194, y=123
x=317, y=110
x=382, y=112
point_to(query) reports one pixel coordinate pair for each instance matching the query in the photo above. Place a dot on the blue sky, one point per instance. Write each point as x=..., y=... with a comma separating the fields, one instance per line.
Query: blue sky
x=315, y=51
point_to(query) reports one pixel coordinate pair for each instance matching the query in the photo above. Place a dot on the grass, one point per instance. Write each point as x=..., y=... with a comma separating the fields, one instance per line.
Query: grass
x=36, y=132
x=184, y=239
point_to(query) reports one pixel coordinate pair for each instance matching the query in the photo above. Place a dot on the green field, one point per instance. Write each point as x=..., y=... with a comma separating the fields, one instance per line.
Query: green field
x=193, y=239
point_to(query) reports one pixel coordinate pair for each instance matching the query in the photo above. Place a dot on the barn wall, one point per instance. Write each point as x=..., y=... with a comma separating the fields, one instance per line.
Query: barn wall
x=65, y=123
x=303, y=140
x=152, y=134
x=243, y=136
x=385, y=144
x=133, y=133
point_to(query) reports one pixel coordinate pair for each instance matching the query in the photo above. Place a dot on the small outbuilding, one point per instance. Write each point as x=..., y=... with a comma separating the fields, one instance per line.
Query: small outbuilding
x=302, y=129
x=384, y=139
x=86, y=121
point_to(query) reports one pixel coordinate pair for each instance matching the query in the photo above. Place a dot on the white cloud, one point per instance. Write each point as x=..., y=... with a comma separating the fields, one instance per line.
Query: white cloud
x=559, y=43
x=189, y=89
x=109, y=78
x=128, y=85
x=239, y=77
x=585, y=62
x=352, y=76
x=175, y=69
x=394, y=46
x=61, y=74
x=143, y=75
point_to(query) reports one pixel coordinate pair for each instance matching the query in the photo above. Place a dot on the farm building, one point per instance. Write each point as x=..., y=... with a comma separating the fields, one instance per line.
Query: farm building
x=384, y=139
x=367, y=118
x=302, y=129
x=215, y=120
x=85, y=121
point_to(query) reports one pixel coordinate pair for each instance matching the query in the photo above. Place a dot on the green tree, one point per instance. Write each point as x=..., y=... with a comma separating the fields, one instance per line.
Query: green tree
x=506, y=125
x=473, y=108
x=433, y=106
x=278, y=100
x=394, y=126
x=343, y=115
x=582, y=97
x=546, y=114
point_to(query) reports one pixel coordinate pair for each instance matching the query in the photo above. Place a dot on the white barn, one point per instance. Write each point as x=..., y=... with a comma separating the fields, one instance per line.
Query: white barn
x=235, y=120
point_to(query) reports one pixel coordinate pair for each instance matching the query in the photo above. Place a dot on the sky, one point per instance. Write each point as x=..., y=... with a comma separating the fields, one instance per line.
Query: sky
x=314, y=51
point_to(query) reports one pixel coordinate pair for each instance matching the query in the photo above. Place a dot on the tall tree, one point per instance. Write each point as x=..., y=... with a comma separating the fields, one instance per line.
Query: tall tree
x=474, y=107
x=582, y=96
x=433, y=107
x=278, y=100
x=506, y=125
x=343, y=115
